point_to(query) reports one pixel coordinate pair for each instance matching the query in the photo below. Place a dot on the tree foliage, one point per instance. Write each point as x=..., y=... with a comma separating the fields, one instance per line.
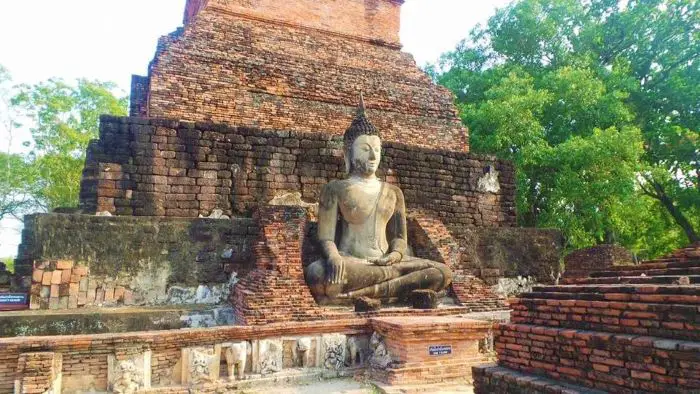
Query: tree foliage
x=62, y=119
x=16, y=174
x=597, y=103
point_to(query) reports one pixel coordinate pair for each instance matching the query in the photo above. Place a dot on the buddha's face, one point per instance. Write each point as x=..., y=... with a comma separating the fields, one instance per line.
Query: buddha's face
x=365, y=155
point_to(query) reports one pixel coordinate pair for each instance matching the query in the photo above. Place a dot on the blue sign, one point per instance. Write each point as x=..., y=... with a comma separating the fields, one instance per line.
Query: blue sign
x=11, y=301
x=440, y=350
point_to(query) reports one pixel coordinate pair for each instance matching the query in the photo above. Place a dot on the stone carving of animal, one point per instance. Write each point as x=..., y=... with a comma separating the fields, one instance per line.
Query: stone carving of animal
x=236, y=356
x=301, y=352
x=356, y=349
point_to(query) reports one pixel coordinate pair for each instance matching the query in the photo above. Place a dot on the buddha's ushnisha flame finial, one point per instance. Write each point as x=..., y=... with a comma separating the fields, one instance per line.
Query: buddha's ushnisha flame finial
x=360, y=125
x=361, y=107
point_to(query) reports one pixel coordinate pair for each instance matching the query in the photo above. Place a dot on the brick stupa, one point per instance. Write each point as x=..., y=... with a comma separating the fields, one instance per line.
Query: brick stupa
x=186, y=224
x=296, y=65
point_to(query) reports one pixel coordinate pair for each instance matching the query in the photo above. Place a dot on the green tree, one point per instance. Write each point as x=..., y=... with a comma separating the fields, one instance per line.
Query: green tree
x=597, y=103
x=16, y=174
x=64, y=118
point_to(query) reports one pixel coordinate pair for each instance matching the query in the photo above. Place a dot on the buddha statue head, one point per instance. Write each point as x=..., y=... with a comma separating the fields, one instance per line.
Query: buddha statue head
x=362, y=145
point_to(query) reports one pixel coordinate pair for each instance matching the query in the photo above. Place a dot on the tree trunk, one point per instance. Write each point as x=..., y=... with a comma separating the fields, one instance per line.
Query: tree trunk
x=677, y=215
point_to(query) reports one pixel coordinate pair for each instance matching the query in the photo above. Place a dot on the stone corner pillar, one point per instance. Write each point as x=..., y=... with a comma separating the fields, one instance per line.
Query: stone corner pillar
x=276, y=291
x=39, y=373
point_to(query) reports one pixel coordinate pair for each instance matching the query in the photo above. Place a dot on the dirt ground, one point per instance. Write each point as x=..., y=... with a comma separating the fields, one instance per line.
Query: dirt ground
x=351, y=386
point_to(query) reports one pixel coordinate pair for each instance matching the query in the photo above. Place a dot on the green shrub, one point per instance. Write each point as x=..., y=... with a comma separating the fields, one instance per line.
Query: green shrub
x=9, y=263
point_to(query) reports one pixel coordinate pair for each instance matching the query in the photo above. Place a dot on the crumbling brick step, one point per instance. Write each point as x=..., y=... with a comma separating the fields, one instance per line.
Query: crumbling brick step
x=622, y=297
x=605, y=361
x=658, y=264
x=658, y=294
x=492, y=379
x=693, y=270
x=626, y=289
x=609, y=280
x=485, y=306
x=661, y=320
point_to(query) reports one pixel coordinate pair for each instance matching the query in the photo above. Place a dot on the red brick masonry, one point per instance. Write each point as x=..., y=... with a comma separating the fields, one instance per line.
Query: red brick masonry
x=297, y=65
x=276, y=290
x=455, y=342
x=624, y=335
x=84, y=357
x=158, y=167
x=37, y=373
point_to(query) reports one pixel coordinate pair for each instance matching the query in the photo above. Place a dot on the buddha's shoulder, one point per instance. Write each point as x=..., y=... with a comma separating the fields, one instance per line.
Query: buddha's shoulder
x=393, y=189
x=334, y=187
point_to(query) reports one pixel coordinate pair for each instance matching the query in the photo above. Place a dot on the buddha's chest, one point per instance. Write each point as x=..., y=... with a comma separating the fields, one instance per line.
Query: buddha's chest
x=357, y=203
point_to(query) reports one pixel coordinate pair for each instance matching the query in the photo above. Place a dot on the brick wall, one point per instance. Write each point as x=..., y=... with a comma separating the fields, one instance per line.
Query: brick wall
x=636, y=318
x=192, y=8
x=376, y=20
x=276, y=289
x=39, y=373
x=144, y=254
x=491, y=253
x=85, y=356
x=582, y=262
x=626, y=335
x=139, y=96
x=169, y=168
x=610, y=362
x=409, y=339
x=233, y=64
x=430, y=239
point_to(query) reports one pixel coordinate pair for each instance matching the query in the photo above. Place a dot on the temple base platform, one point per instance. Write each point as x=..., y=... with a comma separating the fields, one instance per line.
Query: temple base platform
x=421, y=351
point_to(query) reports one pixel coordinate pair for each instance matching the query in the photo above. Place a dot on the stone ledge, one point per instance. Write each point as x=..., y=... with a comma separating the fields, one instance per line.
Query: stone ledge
x=490, y=379
x=100, y=320
x=411, y=328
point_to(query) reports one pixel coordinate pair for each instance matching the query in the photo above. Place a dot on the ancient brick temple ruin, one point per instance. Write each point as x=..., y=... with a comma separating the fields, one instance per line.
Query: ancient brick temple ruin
x=623, y=329
x=184, y=270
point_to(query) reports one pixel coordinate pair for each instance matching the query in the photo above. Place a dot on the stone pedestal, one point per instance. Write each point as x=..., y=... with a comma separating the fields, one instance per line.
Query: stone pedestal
x=427, y=350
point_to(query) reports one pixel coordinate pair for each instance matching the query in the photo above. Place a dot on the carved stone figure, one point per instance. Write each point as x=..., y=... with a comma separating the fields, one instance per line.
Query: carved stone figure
x=380, y=357
x=334, y=351
x=489, y=182
x=301, y=352
x=270, y=356
x=129, y=369
x=128, y=381
x=236, y=357
x=368, y=258
x=199, y=370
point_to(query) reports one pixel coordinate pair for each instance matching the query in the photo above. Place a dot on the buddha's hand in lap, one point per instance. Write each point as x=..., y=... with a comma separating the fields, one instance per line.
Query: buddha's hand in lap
x=389, y=259
x=336, y=270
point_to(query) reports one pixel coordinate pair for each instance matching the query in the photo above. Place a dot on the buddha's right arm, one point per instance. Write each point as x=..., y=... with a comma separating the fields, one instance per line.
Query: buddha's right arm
x=327, y=221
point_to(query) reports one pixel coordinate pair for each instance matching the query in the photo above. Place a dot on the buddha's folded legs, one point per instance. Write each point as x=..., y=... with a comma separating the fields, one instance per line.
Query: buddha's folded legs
x=363, y=280
x=408, y=275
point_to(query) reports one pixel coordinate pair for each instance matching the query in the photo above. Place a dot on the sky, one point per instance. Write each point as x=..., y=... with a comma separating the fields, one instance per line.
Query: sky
x=110, y=40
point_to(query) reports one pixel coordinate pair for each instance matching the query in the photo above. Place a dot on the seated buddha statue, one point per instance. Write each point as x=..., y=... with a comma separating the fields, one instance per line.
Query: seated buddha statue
x=362, y=231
